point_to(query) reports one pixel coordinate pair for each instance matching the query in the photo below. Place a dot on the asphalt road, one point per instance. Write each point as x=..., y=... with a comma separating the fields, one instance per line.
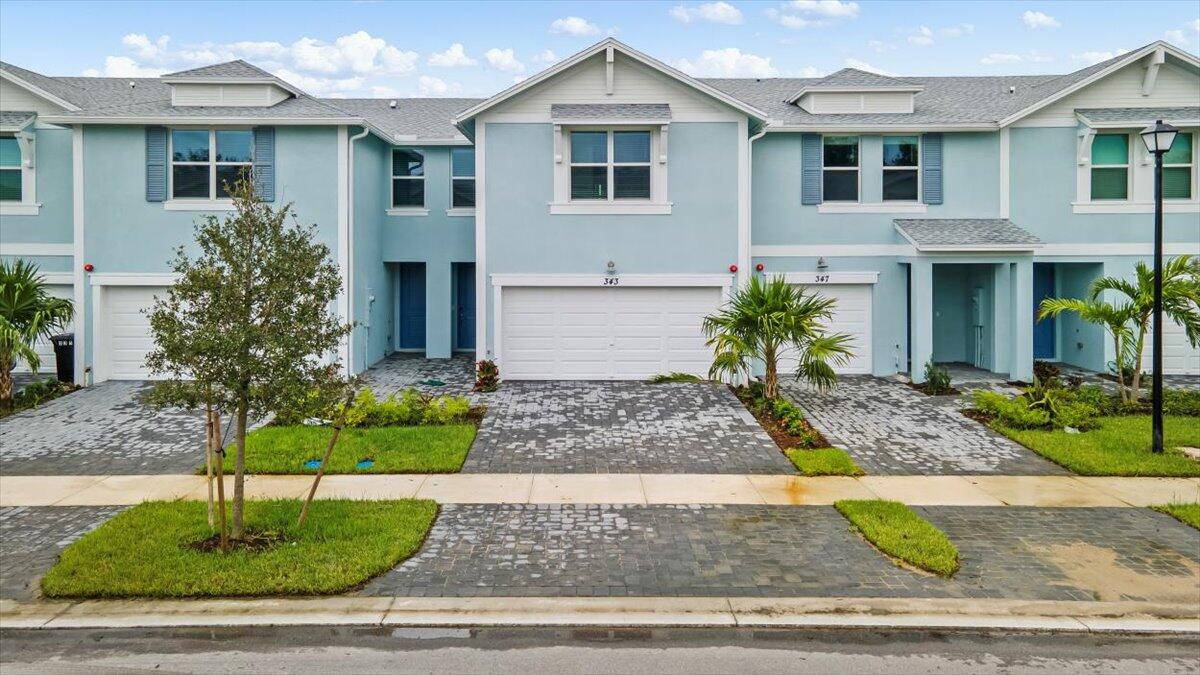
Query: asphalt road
x=333, y=651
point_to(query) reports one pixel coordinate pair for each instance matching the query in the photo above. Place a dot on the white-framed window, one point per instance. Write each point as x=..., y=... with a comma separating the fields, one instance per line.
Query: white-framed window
x=1110, y=167
x=462, y=178
x=840, y=169
x=408, y=178
x=1179, y=167
x=206, y=163
x=12, y=170
x=901, y=168
x=610, y=165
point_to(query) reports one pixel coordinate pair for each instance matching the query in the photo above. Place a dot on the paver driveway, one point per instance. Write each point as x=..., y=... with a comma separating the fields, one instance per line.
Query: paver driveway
x=104, y=429
x=597, y=427
x=890, y=428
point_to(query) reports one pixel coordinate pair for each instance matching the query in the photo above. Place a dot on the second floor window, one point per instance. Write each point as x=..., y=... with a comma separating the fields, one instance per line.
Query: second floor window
x=206, y=163
x=1177, y=168
x=1110, y=167
x=839, y=175
x=10, y=169
x=408, y=178
x=462, y=178
x=901, y=168
x=610, y=165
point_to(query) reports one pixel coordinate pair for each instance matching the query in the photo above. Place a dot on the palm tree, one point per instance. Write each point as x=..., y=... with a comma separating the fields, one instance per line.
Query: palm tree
x=764, y=320
x=27, y=312
x=1129, y=320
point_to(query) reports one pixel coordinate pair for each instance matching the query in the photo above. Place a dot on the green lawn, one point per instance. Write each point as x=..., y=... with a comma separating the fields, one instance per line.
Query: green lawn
x=146, y=552
x=421, y=449
x=899, y=532
x=1120, y=447
x=823, y=462
x=1184, y=513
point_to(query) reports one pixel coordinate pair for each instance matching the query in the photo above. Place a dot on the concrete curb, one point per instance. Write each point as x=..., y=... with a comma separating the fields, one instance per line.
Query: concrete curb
x=847, y=613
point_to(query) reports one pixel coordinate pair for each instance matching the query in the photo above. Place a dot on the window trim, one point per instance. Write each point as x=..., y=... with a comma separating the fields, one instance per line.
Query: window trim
x=1191, y=167
x=453, y=209
x=917, y=167
x=856, y=168
x=611, y=164
x=1128, y=166
x=408, y=209
x=212, y=201
x=657, y=204
x=28, y=205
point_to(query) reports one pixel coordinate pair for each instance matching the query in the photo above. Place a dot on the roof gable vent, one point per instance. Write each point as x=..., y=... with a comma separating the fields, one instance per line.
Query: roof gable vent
x=856, y=91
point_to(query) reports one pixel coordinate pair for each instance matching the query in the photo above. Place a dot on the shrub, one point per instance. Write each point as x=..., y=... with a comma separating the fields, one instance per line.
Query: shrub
x=1046, y=371
x=1077, y=415
x=937, y=379
x=39, y=391
x=1181, y=402
x=410, y=409
x=487, y=375
x=674, y=376
x=1011, y=412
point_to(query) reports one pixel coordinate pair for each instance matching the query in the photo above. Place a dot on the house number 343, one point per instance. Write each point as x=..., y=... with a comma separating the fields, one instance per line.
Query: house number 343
x=612, y=281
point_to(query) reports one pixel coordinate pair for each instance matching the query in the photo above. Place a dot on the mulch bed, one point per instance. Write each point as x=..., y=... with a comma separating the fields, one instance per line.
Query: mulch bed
x=253, y=542
x=778, y=433
x=921, y=388
x=978, y=415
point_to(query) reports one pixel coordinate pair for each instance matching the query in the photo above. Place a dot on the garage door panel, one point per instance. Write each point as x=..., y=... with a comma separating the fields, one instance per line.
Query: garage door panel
x=606, y=333
x=43, y=347
x=125, y=323
x=851, y=316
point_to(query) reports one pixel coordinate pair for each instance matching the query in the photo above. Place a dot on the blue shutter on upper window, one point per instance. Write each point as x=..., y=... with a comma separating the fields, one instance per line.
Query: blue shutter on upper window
x=931, y=168
x=264, y=163
x=156, y=164
x=810, y=169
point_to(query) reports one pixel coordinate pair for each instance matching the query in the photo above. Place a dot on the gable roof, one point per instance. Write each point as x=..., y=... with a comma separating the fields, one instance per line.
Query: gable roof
x=412, y=119
x=965, y=234
x=853, y=79
x=236, y=68
x=48, y=88
x=625, y=49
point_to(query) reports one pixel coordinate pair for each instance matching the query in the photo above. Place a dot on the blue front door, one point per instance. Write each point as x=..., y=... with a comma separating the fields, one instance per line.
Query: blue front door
x=1043, y=331
x=464, y=282
x=412, y=305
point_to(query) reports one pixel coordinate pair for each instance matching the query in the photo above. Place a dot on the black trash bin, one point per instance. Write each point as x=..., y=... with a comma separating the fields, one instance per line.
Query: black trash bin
x=64, y=354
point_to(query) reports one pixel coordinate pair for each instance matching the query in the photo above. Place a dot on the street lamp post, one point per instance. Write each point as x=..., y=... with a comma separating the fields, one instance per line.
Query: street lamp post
x=1158, y=138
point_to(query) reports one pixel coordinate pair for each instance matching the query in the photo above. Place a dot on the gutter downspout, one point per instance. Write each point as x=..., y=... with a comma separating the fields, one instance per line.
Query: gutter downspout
x=350, y=355
x=750, y=199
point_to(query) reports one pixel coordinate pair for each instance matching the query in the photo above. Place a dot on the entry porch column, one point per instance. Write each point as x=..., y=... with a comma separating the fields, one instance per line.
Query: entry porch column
x=920, y=317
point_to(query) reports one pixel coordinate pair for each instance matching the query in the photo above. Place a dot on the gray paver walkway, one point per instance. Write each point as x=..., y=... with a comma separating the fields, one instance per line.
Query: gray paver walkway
x=32, y=537
x=98, y=430
x=597, y=427
x=890, y=428
x=620, y=550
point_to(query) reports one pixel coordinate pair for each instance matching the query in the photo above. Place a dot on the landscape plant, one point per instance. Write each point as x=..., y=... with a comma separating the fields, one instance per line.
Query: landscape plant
x=1128, y=321
x=247, y=327
x=768, y=319
x=937, y=379
x=487, y=376
x=27, y=313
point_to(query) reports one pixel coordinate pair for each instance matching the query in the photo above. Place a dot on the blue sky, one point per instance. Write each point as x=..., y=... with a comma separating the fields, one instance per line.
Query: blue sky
x=479, y=48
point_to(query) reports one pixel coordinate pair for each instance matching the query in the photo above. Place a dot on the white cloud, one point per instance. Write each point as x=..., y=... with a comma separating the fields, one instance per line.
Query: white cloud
x=999, y=57
x=729, y=62
x=1093, y=57
x=712, y=12
x=809, y=13
x=518, y=79
x=573, y=25
x=1034, y=19
x=922, y=38
x=863, y=65
x=1196, y=25
x=833, y=9
x=880, y=47
x=504, y=60
x=321, y=86
x=144, y=48
x=810, y=71
x=1176, y=36
x=384, y=92
x=123, y=66
x=433, y=86
x=546, y=56
x=454, y=57
x=958, y=31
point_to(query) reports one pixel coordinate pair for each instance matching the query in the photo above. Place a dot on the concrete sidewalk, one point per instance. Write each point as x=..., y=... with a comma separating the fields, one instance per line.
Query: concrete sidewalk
x=644, y=489
x=955, y=614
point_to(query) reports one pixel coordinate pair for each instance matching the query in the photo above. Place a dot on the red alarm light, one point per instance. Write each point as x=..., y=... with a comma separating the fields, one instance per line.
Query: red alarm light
x=733, y=269
x=760, y=267
x=88, y=267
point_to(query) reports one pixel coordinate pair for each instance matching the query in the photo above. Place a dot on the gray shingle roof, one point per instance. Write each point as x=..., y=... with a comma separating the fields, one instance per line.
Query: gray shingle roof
x=946, y=234
x=1139, y=115
x=414, y=118
x=51, y=85
x=853, y=77
x=621, y=111
x=13, y=120
x=237, y=69
x=300, y=107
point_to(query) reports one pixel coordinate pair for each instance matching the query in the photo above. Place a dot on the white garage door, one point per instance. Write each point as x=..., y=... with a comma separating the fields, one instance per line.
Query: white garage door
x=852, y=316
x=589, y=333
x=1179, y=357
x=43, y=347
x=126, y=331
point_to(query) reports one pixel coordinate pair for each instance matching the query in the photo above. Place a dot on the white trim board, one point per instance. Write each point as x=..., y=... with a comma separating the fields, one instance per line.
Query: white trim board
x=33, y=249
x=604, y=280
x=38, y=91
x=822, y=278
x=81, y=364
x=133, y=279
x=905, y=250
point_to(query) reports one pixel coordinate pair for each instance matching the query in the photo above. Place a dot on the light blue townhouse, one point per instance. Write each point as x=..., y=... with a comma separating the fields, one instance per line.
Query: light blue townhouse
x=580, y=224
